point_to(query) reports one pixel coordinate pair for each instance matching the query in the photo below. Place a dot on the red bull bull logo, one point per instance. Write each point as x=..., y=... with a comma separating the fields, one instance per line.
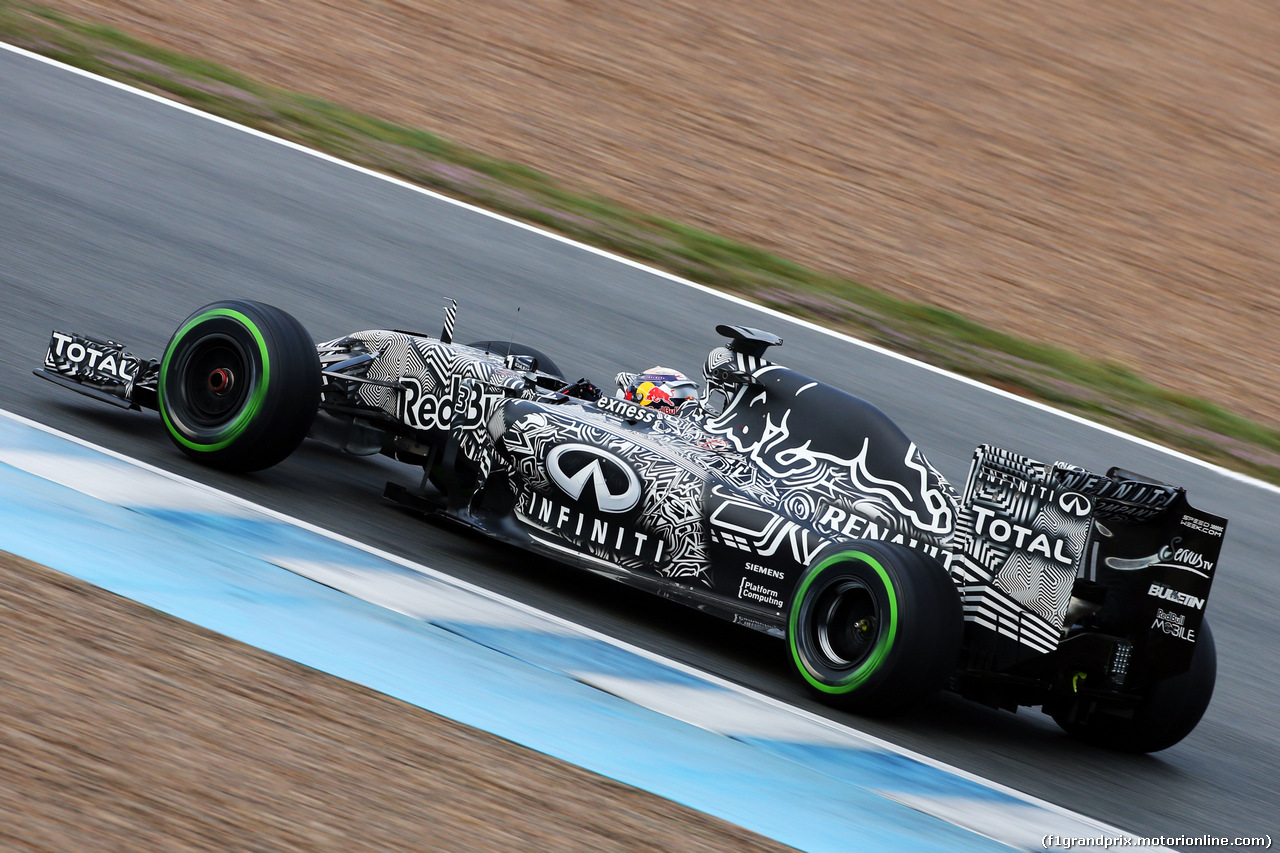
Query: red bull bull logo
x=658, y=395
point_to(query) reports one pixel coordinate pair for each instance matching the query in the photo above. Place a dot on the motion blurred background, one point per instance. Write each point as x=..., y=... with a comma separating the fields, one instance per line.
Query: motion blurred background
x=1104, y=176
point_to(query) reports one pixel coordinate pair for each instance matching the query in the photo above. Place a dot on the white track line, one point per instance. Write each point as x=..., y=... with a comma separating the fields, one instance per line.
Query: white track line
x=812, y=718
x=737, y=300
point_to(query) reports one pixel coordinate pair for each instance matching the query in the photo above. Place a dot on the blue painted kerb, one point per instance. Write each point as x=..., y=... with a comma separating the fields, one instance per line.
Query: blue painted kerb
x=162, y=565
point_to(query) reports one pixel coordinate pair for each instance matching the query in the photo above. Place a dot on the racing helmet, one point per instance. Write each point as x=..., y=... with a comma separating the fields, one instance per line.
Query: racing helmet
x=659, y=388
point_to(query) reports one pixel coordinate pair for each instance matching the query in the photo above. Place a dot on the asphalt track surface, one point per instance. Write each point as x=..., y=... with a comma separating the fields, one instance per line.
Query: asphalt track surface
x=119, y=216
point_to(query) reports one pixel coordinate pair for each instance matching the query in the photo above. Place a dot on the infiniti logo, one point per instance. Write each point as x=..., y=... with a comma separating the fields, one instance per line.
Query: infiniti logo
x=1074, y=503
x=615, y=485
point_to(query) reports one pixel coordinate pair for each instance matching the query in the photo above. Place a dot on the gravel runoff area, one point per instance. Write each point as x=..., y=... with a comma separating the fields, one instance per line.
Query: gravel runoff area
x=1104, y=176
x=125, y=729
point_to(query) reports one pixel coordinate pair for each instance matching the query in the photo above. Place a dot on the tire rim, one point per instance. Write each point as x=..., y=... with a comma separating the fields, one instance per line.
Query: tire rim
x=215, y=381
x=846, y=625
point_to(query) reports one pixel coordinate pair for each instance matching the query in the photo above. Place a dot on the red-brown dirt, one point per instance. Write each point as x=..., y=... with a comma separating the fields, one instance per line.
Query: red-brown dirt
x=124, y=729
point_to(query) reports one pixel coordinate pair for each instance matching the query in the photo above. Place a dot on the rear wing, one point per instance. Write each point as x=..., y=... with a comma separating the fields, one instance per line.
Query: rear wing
x=1045, y=551
x=100, y=369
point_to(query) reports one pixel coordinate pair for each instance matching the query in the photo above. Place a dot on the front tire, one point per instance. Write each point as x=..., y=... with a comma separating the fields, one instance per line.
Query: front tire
x=874, y=627
x=1167, y=714
x=239, y=385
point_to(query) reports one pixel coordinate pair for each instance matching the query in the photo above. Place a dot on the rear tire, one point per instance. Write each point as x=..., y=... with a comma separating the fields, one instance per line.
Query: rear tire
x=874, y=627
x=239, y=385
x=1169, y=712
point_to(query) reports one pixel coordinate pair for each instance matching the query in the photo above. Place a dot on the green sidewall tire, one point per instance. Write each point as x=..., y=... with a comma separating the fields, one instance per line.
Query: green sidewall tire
x=1167, y=714
x=273, y=376
x=913, y=636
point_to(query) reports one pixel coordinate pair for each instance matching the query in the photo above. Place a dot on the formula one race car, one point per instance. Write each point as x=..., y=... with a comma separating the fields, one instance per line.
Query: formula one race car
x=771, y=499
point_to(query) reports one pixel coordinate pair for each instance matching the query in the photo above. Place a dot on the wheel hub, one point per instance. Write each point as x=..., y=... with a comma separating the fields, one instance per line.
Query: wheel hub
x=847, y=624
x=216, y=380
x=221, y=381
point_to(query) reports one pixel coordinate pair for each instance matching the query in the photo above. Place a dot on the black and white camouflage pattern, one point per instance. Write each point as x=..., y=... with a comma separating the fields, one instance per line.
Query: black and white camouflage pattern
x=763, y=472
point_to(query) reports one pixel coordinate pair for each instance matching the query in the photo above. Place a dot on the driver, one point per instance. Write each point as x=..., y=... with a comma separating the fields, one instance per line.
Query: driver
x=659, y=388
